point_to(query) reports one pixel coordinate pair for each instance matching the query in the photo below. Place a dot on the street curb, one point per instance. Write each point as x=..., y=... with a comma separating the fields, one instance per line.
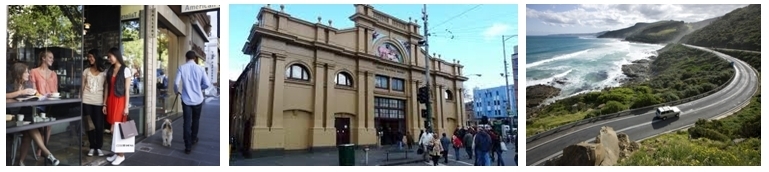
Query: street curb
x=401, y=163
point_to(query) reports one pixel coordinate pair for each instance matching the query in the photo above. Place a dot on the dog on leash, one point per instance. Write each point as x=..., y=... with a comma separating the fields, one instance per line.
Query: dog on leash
x=168, y=132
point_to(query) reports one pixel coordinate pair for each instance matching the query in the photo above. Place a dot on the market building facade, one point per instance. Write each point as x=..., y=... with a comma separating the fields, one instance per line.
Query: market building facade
x=319, y=86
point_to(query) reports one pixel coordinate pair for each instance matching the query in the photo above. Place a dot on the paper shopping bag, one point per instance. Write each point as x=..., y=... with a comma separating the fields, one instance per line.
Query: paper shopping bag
x=120, y=145
x=128, y=129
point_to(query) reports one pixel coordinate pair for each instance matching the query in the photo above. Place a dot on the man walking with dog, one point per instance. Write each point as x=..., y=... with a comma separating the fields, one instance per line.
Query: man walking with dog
x=193, y=81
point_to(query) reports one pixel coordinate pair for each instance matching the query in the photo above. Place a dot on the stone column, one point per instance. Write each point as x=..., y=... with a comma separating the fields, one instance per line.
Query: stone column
x=440, y=118
x=150, y=64
x=329, y=99
x=361, y=126
x=414, y=120
x=460, y=108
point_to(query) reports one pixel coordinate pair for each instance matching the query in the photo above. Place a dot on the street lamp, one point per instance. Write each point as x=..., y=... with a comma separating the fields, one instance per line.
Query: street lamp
x=506, y=74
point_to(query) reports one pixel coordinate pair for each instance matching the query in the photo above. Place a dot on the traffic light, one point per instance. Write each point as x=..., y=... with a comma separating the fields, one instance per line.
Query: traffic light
x=423, y=95
x=424, y=113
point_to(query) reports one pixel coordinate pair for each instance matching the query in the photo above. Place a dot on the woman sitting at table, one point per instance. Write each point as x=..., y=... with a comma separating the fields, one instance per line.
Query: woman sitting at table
x=45, y=81
x=19, y=86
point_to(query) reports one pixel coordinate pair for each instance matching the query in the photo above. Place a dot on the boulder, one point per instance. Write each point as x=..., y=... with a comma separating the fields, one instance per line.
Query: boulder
x=537, y=94
x=608, y=149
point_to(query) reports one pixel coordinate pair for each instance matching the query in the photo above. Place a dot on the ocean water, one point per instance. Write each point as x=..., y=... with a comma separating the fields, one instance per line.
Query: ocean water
x=584, y=63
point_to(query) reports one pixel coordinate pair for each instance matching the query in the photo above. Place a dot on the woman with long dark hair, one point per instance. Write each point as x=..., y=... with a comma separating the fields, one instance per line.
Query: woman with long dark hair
x=116, y=95
x=19, y=86
x=93, y=101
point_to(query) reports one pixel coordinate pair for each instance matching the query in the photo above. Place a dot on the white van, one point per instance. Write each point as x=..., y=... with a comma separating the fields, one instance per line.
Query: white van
x=666, y=112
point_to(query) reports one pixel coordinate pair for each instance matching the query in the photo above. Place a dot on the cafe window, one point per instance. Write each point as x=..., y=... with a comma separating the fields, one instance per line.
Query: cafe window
x=45, y=45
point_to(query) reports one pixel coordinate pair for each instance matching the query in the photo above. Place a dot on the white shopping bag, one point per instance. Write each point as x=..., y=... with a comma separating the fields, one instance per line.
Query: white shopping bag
x=120, y=145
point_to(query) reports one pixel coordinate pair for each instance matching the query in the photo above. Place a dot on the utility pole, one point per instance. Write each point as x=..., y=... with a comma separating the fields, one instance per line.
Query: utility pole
x=506, y=75
x=428, y=119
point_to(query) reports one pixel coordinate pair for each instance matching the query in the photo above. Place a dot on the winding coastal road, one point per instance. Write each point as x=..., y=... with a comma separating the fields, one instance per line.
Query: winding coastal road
x=643, y=125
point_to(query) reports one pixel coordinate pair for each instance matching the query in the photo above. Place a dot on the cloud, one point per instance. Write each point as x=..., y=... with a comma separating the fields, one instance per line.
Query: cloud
x=614, y=16
x=495, y=30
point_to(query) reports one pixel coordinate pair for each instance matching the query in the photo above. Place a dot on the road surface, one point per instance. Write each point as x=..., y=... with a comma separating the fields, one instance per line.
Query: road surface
x=643, y=125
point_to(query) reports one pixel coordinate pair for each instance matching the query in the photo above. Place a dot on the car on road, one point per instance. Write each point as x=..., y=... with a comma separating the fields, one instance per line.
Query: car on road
x=666, y=112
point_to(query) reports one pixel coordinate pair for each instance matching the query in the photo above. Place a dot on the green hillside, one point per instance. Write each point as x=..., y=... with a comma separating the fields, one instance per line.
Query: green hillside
x=739, y=29
x=657, y=32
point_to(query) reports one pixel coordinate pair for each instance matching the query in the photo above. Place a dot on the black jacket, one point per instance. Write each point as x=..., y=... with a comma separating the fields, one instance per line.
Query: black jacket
x=120, y=81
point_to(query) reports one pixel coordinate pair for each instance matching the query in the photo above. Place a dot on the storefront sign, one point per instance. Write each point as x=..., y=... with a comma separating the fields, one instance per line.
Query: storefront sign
x=130, y=12
x=390, y=69
x=199, y=8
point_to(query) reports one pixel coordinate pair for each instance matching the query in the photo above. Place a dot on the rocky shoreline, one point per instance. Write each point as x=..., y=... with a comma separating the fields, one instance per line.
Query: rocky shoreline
x=537, y=94
x=636, y=72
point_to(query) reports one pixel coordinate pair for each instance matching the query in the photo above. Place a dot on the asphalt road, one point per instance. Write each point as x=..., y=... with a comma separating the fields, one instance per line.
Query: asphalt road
x=643, y=125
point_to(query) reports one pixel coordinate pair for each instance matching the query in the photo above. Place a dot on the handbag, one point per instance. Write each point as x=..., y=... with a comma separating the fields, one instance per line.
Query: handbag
x=503, y=146
x=421, y=149
x=128, y=129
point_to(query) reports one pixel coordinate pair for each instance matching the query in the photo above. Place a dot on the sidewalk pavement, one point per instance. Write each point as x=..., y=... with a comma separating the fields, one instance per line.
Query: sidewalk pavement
x=376, y=157
x=508, y=157
x=151, y=152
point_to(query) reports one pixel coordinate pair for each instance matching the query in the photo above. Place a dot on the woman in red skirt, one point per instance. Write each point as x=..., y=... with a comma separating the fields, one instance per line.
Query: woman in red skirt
x=116, y=95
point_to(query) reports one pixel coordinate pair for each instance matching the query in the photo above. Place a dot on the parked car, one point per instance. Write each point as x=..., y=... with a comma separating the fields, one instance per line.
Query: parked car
x=666, y=112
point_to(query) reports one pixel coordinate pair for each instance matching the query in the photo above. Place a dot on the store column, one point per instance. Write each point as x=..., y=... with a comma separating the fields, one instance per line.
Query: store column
x=150, y=60
x=260, y=113
x=360, y=124
x=414, y=120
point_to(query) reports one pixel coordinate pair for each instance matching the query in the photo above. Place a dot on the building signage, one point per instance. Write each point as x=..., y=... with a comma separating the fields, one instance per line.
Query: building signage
x=389, y=69
x=130, y=12
x=199, y=8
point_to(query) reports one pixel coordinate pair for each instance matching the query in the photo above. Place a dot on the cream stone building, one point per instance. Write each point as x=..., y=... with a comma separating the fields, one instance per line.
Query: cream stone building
x=311, y=85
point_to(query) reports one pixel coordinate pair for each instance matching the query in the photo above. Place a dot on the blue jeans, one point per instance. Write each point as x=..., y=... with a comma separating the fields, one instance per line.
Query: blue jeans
x=191, y=123
x=500, y=161
x=400, y=145
x=456, y=152
x=482, y=158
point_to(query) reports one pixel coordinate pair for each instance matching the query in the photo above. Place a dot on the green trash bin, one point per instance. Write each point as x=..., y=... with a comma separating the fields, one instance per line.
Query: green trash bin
x=346, y=155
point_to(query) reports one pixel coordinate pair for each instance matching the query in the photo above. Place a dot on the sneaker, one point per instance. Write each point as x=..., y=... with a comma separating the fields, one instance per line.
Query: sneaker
x=90, y=152
x=118, y=160
x=112, y=158
x=53, y=160
x=99, y=152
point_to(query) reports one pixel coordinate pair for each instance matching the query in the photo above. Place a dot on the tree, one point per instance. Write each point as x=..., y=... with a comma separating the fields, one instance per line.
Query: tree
x=45, y=26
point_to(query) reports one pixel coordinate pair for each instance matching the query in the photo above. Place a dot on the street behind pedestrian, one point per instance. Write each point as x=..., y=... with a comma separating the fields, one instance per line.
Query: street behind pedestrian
x=194, y=80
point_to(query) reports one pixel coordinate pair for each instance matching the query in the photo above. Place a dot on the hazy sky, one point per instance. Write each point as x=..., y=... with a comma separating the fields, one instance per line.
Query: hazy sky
x=552, y=19
x=468, y=33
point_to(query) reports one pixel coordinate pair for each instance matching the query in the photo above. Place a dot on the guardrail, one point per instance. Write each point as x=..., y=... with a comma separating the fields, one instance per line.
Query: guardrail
x=629, y=111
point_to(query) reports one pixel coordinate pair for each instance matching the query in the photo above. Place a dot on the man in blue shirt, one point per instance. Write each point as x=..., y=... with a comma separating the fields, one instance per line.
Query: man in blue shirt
x=194, y=80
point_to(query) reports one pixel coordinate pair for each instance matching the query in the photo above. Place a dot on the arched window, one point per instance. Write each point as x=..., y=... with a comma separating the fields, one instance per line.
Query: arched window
x=447, y=95
x=297, y=72
x=343, y=79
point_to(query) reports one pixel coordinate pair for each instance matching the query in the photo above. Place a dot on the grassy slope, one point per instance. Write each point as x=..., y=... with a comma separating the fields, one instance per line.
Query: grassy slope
x=753, y=59
x=682, y=72
x=677, y=149
x=739, y=29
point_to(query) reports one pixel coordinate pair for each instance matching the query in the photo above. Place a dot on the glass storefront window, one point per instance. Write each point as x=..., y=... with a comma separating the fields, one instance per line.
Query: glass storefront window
x=44, y=54
x=132, y=44
x=165, y=105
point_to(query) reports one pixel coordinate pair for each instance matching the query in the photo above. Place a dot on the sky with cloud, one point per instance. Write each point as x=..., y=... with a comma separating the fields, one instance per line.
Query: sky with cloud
x=555, y=19
x=469, y=33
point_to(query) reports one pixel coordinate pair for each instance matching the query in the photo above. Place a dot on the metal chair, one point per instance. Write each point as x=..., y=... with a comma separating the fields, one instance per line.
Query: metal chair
x=16, y=143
